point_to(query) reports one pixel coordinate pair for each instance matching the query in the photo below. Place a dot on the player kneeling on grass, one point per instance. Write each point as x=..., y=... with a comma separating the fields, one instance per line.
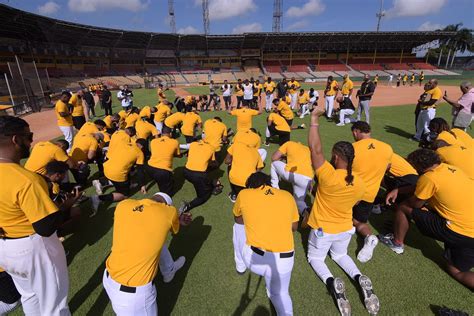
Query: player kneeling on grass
x=297, y=170
x=307, y=101
x=447, y=192
x=265, y=219
x=346, y=109
x=117, y=171
x=277, y=126
x=133, y=262
x=191, y=122
x=252, y=138
x=243, y=160
x=331, y=218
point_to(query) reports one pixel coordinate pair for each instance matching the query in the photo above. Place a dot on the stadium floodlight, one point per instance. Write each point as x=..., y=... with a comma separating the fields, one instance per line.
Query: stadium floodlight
x=380, y=15
x=171, y=16
x=205, y=15
x=277, y=14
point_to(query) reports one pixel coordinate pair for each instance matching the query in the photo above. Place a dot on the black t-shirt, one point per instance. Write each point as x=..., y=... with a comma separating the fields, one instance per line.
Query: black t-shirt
x=89, y=98
x=365, y=88
x=105, y=96
x=347, y=104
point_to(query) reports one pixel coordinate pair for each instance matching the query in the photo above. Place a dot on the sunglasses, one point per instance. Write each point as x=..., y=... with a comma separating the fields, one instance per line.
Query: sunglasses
x=28, y=135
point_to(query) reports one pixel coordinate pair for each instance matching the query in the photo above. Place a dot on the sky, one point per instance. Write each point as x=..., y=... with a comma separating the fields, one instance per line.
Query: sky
x=240, y=16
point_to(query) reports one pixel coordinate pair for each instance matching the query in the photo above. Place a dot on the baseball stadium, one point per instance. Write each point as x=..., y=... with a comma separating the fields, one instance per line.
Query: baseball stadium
x=129, y=225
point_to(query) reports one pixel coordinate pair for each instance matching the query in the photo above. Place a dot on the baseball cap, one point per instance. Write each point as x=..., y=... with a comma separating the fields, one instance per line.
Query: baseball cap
x=166, y=197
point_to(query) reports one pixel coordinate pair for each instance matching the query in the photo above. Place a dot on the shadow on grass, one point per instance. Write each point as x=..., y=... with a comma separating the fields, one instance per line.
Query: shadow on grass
x=397, y=131
x=102, y=300
x=186, y=243
x=245, y=299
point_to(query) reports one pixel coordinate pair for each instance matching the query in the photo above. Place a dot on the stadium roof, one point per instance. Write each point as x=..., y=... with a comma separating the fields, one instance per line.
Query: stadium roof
x=29, y=27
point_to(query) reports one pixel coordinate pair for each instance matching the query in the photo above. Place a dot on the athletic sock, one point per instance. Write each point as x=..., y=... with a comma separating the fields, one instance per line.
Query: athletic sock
x=330, y=284
x=357, y=277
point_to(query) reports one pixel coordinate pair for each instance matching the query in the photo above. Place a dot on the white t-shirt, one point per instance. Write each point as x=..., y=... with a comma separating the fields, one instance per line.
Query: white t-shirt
x=313, y=99
x=248, y=91
x=390, y=78
x=126, y=101
x=226, y=92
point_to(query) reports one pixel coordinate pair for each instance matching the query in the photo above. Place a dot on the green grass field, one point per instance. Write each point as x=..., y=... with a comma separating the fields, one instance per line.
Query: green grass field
x=409, y=284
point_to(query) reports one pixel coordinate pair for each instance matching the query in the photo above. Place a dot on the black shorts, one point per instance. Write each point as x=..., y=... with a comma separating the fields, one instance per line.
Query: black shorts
x=8, y=291
x=122, y=187
x=392, y=182
x=189, y=139
x=458, y=249
x=361, y=211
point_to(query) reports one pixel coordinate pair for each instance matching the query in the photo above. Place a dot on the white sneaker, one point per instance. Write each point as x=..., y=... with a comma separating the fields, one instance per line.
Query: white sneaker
x=376, y=209
x=365, y=254
x=97, y=187
x=95, y=201
x=340, y=124
x=178, y=264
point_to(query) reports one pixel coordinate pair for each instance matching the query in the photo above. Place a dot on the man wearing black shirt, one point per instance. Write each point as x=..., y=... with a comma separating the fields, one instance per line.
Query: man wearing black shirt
x=90, y=103
x=282, y=86
x=107, y=101
x=346, y=109
x=365, y=94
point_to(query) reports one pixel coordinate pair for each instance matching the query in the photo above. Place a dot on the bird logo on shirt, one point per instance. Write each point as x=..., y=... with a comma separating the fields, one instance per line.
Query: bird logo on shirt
x=452, y=170
x=269, y=192
x=138, y=208
x=371, y=146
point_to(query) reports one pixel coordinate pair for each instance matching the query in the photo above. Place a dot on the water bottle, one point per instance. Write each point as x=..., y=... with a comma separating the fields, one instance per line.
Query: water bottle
x=319, y=233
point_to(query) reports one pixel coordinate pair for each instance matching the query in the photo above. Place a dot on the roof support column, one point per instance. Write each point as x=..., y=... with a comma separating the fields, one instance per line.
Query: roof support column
x=375, y=55
x=401, y=56
x=347, y=55
x=291, y=53
x=319, y=58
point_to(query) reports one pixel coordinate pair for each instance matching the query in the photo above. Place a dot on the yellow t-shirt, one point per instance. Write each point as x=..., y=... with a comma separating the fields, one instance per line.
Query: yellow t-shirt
x=246, y=160
x=293, y=86
x=238, y=91
x=174, y=119
x=190, y=121
x=268, y=214
x=145, y=112
x=213, y=132
x=118, y=138
x=163, y=150
x=433, y=94
x=249, y=138
x=25, y=200
x=161, y=94
x=285, y=110
x=303, y=98
x=405, y=78
x=140, y=229
x=145, y=130
x=244, y=118
x=332, y=88
x=121, y=160
x=332, y=208
x=162, y=112
x=464, y=137
x=280, y=122
x=347, y=86
x=131, y=120
x=298, y=158
x=269, y=87
x=258, y=89
x=458, y=156
x=42, y=154
x=399, y=167
x=450, y=138
x=372, y=158
x=448, y=191
x=199, y=155
x=88, y=128
x=62, y=107
x=108, y=121
x=76, y=102
x=82, y=145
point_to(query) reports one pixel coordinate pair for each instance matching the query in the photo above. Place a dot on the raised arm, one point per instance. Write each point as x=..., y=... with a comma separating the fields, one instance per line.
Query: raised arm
x=314, y=139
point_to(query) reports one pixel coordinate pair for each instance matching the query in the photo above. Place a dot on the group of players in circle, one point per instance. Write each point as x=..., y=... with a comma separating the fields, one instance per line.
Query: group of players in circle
x=137, y=142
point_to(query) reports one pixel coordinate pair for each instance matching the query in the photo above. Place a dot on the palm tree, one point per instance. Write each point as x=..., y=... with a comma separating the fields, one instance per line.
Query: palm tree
x=460, y=41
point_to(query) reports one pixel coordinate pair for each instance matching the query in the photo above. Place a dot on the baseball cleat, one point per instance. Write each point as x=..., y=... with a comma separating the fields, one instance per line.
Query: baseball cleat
x=365, y=254
x=371, y=301
x=339, y=292
x=178, y=264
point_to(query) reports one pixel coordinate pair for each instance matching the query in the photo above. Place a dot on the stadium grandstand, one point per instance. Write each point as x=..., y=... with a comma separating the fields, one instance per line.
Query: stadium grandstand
x=40, y=56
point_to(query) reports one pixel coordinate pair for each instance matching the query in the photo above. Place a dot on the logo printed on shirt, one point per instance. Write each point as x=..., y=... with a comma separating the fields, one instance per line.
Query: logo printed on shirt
x=269, y=192
x=452, y=170
x=463, y=148
x=371, y=146
x=138, y=208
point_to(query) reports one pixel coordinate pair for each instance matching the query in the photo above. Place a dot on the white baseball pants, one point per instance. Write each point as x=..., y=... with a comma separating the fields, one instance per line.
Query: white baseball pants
x=38, y=268
x=159, y=126
x=336, y=244
x=345, y=114
x=329, y=105
x=263, y=153
x=300, y=182
x=268, y=101
x=68, y=132
x=7, y=308
x=143, y=301
x=423, y=122
x=294, y=100
x=304, y=110
x=277, y=274
x=239, y=239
